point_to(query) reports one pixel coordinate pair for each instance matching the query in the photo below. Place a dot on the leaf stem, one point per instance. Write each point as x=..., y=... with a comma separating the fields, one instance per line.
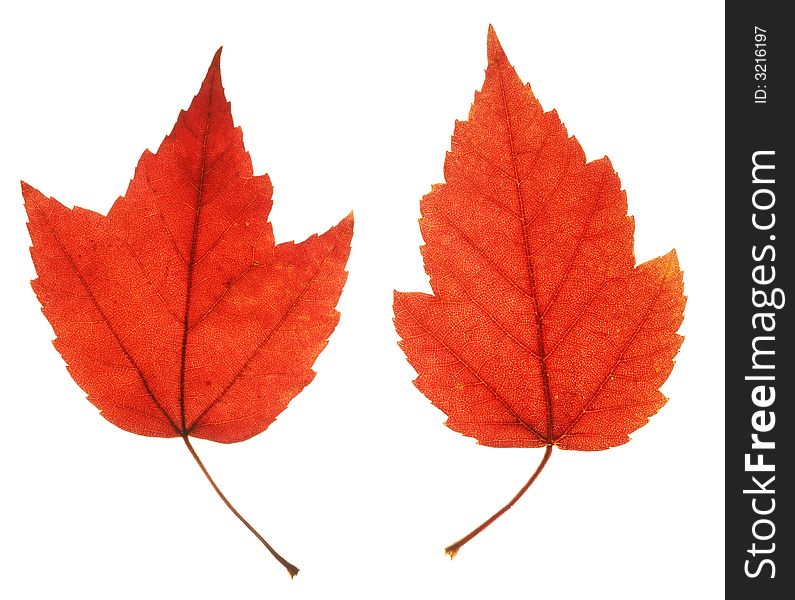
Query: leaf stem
x=453, y=549
x=292, y=569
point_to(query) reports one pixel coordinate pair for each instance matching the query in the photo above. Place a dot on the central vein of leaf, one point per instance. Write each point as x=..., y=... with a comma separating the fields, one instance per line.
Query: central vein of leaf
x=191, y=262
x=529, y=262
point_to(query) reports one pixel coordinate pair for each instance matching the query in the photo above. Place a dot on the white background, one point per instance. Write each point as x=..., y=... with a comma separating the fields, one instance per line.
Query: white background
x=351, y=106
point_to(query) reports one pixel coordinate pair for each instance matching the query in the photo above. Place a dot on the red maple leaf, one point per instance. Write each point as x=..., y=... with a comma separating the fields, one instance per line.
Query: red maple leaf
x=177, y=313
x=540, y=331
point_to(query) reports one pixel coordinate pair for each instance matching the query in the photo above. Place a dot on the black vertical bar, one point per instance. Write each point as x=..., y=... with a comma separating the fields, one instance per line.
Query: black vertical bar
x=760, y=228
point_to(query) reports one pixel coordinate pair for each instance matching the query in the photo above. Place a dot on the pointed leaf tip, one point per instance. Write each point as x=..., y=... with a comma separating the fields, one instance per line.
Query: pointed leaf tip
x=211, y=94
x=494, y=49
x=27, y=193
x=31, y=195
x=216, y=62
x=213, y=70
